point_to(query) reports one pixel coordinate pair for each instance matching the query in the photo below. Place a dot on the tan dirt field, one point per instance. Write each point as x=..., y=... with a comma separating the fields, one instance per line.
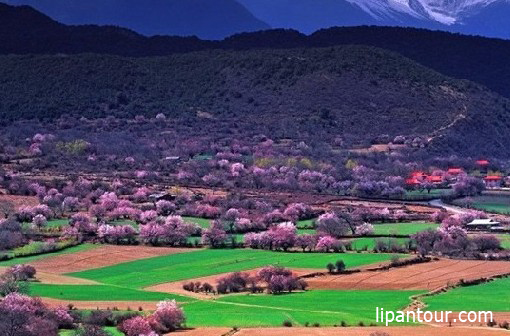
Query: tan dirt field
x=10, y=203
x=106, y=255
x=202, y=332
x=91, y=305
x=428, y=276
x=366, y=331
x=58, y=279
x=498, y=317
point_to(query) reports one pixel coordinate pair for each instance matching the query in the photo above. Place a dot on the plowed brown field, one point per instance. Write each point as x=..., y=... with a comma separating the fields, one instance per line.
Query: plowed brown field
x=366, y=331
x=106, y=255
x=427, y=276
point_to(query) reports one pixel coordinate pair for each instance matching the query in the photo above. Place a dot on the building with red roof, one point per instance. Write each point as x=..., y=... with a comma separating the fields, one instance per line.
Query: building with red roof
x=455, y=171
x=436, y=179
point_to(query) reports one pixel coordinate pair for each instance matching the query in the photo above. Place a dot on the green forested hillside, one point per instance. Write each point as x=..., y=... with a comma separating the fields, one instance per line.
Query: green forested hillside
x=359, y=92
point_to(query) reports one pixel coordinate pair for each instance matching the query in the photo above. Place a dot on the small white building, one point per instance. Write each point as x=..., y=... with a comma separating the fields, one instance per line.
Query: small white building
x=482, y=224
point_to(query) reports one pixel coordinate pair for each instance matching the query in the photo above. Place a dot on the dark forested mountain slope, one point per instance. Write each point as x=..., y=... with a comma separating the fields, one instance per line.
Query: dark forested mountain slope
x=358, y=93
x=208, y=19
x=486, y=61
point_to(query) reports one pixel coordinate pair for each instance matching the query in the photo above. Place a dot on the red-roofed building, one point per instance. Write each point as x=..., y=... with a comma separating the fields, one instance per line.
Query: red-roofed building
x=412, y=182
x=435, y=179
x=493, y=181
x=482, y=162
x=418, y=174
x=455, y=171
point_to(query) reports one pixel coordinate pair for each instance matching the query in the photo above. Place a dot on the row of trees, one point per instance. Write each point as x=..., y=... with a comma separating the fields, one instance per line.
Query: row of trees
x=274, y=279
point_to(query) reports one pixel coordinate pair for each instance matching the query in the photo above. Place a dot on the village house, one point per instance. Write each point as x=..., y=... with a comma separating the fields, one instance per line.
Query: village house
x=482, y=224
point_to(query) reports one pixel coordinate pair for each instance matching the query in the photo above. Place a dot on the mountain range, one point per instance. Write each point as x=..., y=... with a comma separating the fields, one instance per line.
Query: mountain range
x=396, y=81
x=217, y=19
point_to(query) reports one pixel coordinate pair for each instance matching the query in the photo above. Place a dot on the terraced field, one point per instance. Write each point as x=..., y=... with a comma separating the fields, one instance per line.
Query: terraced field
x=182, y=266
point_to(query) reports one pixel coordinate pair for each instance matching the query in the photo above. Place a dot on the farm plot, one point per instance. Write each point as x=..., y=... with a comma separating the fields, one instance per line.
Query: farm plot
x=101, y=292
x=405, y=228
x=427, y=276
x=493, y=296
x=100, y=256
x=368, y=243
x=323, y=307
x=34, y=258
x=490, y=203
x=183, y=266
x=364, y=331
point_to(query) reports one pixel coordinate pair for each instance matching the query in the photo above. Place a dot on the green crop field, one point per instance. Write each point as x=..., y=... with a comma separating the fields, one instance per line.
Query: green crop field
x=369, y=243
x=202, y=222
x=113, y=331
x=504, y=239
x=307, y=223
x=99, y=292
x=25, y=260
x=490, y=203
x=424, y=194
x=405, y=228
x=57, y=223
x=318, y=306
x=201, y=263
x=493, y=296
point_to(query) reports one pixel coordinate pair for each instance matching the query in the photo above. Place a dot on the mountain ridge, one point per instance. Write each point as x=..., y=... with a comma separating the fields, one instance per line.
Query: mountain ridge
x=23, y=30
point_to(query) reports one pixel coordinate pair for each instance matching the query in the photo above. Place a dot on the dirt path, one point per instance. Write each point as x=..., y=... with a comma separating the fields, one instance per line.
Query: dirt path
x=103, y=256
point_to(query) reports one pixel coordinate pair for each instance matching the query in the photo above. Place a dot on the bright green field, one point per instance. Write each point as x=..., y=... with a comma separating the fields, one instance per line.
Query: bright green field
x=202, y=222
x=418, y=194
x=24, y=260
x=176, y=267
x=305, y=223
x=369, y=243
x=490, y=203
x=494, y=296
x=99, y=292
x=318, y=306
x=504, y=239
x=405, y=228
x=58, y=223
x=112, y=330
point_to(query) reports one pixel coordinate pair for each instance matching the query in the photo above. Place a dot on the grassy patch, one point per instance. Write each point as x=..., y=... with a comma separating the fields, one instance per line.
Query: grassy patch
x=307, y=223
x=202, y=222
x=490, y=203
x=504, y=239
x=424, y=194
x=58, y=223
x=493, y=296
x=318, y=306
x=405, y=228
x=125, y=222
x=113, y=331
x=369, y=243
x=201, y=263
x=99, y=292
x=26, y=260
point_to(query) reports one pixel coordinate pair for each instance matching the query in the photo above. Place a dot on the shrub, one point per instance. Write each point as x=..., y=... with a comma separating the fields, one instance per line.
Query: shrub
x=287, y=323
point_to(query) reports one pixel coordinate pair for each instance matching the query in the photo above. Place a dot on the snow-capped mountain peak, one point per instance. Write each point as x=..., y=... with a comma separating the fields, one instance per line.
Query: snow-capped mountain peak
x=443, y=11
